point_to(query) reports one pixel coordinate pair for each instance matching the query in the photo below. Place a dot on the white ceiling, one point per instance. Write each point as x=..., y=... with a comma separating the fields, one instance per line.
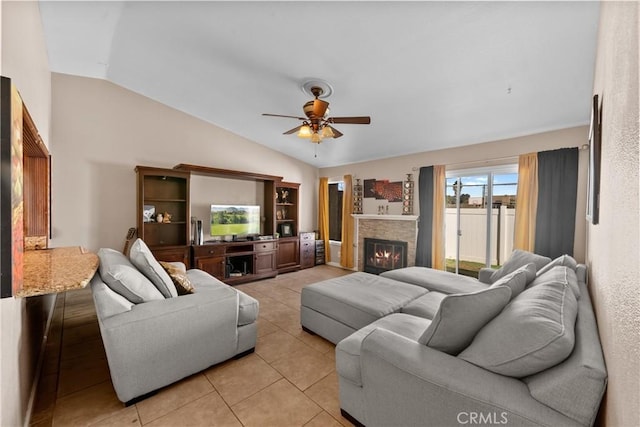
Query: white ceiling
x=430, y=74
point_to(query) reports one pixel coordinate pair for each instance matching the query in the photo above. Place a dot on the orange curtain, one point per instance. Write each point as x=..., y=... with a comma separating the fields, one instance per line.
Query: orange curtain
x=526, y=202
x=346, y=253
x=437, y=234
x=323, y=215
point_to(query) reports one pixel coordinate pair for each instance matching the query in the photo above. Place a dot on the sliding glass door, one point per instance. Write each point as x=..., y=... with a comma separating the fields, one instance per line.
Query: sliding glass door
x=480, y=208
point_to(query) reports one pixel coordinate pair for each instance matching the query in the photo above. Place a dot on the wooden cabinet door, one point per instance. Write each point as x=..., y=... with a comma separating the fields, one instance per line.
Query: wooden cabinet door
x=215, y=266
x=288, y=254
x=265, y=262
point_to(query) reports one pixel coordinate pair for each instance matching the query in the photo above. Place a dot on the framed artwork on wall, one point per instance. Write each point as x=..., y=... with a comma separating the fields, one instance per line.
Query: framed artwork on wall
x=595, y=154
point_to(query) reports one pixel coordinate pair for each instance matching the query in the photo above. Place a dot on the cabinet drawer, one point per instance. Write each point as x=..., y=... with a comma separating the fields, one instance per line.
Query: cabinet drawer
x=208, y=250
x=266, y=246
x=307, y=236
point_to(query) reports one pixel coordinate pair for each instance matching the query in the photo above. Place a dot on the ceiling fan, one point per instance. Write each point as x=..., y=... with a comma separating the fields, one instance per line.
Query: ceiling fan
x=317, y=125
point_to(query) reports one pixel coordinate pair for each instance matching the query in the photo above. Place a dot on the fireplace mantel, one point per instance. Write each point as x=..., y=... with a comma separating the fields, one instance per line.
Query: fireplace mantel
x=386, y=217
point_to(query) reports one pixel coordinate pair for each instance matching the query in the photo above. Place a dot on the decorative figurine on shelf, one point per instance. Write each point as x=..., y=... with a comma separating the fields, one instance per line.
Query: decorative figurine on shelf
x=277, y=198
x=284, y=198
x=159, y=218
x=166, y=218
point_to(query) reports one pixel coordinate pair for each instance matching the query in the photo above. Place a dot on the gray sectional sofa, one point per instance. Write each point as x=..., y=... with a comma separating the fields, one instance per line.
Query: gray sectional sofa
x=521, y=349
x=154, y=336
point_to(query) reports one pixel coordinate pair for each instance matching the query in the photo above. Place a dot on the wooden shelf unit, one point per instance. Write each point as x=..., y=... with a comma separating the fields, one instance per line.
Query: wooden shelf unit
x=237, y=262
x=167, y=190
x=286, y=208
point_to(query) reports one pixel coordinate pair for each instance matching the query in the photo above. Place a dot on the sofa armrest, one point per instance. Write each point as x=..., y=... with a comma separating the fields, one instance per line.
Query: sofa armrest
x=484, y=275
x=406, y=383
x=160, y=342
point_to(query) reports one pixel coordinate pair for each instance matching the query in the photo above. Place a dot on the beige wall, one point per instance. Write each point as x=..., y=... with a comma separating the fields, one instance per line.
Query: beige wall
x=23, y=58
x=613, y=255
x=475, y=156
x=102, y=131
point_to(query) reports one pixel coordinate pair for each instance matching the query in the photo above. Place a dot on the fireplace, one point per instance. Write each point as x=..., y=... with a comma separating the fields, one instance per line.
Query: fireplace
x=383, y=255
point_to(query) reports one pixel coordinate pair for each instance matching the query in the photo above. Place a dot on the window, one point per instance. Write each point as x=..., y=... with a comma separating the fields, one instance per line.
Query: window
x=335, y=210
x=479, y=217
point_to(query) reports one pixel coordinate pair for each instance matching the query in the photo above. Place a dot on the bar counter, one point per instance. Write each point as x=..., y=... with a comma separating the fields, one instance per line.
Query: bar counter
x=55, y=270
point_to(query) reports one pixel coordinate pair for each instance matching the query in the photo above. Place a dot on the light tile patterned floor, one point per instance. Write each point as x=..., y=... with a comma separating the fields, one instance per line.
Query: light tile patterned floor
x=290, y=380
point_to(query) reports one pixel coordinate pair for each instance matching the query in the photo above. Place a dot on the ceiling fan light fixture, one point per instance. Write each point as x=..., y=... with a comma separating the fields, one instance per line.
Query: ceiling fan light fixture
x=304, y=132
x=316, y=138
x=327, y=132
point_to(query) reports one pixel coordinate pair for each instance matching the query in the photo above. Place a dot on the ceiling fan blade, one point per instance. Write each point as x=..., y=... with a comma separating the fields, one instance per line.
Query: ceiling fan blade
x=280, y=115
x=336, y=132
x=364, y=120
x=319, y=108
x=294, y=130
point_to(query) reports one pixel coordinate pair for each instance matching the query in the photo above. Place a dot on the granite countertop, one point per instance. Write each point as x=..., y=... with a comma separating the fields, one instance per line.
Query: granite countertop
x=55, y=270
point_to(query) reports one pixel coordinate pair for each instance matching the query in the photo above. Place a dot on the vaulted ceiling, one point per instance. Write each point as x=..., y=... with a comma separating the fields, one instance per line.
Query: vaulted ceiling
x=431, y=75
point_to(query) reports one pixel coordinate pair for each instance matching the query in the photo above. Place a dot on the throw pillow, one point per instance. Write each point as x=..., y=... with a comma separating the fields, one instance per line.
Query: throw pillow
x=518, y=280
x=533, y=333
x=122, y=277
x=141, y=256
x=563, y=260
x=517, y=259
x=179, y=278
x=461, y=316
x=560, y=274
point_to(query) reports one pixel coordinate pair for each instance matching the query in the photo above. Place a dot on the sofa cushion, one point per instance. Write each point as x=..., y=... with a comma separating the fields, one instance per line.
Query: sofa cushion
x=518, y=280
x=202, y=281
x=108, y=302
x=518, y=259
x=359, y=298
x=348, y=350
x=247, y=309
x=435, y=280
x=180, y=279
x=461, y=316
x=558, y=274
x=140, y=255
x=534, y=332
x=563, y=260
x=122, y=277
x=425, y=306
x=583, y=370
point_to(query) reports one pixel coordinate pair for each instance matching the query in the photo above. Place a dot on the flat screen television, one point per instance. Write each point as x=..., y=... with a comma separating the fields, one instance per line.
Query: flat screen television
x=241, y=220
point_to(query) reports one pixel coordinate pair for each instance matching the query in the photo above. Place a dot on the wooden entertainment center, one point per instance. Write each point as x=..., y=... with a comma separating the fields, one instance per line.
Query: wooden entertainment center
x=168, y=191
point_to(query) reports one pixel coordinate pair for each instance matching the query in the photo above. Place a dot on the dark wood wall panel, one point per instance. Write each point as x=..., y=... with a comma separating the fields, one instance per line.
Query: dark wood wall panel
x=36, y=196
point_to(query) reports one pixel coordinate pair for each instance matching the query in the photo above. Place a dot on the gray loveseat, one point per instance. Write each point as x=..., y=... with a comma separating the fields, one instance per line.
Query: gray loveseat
x=522, y=349
x=153, y=336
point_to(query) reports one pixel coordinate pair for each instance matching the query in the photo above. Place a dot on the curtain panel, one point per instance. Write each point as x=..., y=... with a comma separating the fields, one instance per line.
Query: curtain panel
x=557, y=194
x=323, y=215
x=526, y=202
x=438, y=228
x=346, y=253
x=424, y=248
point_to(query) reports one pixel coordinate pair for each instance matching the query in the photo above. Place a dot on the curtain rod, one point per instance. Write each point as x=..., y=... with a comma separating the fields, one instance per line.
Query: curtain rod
x=497, y=159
